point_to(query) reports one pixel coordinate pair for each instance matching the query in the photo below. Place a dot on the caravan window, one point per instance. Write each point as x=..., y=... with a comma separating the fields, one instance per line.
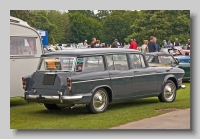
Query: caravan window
x=23, y=46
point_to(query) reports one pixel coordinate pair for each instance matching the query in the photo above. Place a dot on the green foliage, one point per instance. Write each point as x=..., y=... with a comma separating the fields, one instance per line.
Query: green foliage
x=61, y=33
x=117, y=25
x=78, y=25
x=162, y=24
x=83, y=27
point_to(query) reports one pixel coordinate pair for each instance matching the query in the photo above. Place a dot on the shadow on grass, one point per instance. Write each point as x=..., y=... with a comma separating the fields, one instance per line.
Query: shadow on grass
x=81, y=109
x=17, y=102
x=186, y=81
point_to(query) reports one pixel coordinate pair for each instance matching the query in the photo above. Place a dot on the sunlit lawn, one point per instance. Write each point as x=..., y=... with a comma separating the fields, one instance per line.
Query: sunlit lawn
x=35, y=116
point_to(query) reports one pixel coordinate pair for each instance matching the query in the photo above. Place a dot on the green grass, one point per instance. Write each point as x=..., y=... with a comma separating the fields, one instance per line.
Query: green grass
x=35, y=116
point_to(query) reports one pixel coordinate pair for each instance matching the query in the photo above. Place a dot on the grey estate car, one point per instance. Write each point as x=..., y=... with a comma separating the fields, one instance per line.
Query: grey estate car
x=98, y=76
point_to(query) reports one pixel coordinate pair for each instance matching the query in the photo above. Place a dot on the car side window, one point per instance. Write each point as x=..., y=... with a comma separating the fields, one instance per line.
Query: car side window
x=90, y=64
x=117, y=62
x=137, y=61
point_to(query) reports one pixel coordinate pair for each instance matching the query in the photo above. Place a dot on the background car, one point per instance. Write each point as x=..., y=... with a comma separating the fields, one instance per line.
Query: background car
x=177, y=54
x=159, y=59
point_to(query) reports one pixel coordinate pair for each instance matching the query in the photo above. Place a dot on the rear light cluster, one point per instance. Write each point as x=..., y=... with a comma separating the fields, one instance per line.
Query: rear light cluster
x=23, y=82
x=69, y=84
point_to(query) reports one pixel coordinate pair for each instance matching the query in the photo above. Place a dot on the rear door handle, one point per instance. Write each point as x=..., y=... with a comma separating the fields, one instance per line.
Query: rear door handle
x=136, y=71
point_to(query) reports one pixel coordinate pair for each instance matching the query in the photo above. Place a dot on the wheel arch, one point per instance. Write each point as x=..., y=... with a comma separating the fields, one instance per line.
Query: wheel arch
x=172, y=78
x=108, y=90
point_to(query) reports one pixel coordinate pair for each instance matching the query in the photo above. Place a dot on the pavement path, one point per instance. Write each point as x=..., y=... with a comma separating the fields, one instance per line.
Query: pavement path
x=178, y=119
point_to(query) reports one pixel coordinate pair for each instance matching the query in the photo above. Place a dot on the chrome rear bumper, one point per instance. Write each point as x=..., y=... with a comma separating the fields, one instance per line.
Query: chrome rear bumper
x=58, y=99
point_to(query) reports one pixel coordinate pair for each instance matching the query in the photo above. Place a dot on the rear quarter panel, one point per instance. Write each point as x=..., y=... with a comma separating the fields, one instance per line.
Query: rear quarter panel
x=164, y=73
x=86, y=82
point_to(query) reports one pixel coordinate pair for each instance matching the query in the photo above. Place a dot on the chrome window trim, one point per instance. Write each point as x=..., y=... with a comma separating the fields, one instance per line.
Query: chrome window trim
x=122, y=77
x=56, y=70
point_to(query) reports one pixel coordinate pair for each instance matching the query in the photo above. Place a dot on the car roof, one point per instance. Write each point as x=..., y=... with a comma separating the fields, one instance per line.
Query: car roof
x=89, y=51
x=158, y=54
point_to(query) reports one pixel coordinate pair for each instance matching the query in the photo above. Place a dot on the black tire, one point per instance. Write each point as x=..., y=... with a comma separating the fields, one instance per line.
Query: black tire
x=168, y=93
x=99, y=101
x=52, y=106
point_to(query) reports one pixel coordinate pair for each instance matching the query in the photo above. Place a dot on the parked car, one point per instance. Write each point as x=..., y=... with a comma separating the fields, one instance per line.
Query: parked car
x=178, y=47
x=177, y=54
x=185, y=52
x=159, y=59
x=96, y=77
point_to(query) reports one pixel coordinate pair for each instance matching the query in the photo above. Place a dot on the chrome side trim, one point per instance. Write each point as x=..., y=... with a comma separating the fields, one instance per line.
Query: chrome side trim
x=90, y=80
x=171, y=72
x=124, y=77
x=146, y=74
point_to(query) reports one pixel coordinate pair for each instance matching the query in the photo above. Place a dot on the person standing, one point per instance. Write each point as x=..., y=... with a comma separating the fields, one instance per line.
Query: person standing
x=165, y=43
x=93, y=42
x=188, y=45
x=157, y=45
x=169, y=44
x=115, y=44
x=152, y=44
x=133, y=45
x=98, y=45
x=144, y=47
x=85, y=44
x=176, y=42
x=118, y=44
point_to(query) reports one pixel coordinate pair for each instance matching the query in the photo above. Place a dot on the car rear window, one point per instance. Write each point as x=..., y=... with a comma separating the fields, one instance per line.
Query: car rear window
x=56, y=64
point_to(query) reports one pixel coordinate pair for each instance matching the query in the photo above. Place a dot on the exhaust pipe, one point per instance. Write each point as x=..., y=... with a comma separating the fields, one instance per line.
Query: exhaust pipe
x=72, y=106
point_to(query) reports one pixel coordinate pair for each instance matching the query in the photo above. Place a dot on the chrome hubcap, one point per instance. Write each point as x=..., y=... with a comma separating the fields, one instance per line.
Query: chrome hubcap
x=169, y=91
x=99, y=100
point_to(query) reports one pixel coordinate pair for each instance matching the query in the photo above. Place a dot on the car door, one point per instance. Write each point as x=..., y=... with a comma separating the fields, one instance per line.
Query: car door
x=145, y=78
x=122, y=78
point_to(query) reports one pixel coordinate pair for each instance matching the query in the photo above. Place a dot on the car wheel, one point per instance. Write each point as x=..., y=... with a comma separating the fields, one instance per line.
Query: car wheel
x=99, y=101
x=169, y=92
x=52, y=106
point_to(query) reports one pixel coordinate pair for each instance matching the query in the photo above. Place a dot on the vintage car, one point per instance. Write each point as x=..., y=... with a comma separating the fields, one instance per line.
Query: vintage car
x=185, y=52
x=177, y=54
x=115, y=74
x=159, y=59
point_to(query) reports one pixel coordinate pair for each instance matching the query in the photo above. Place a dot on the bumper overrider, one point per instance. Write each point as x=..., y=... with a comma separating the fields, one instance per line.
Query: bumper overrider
x=180, y=84
x=56, y=99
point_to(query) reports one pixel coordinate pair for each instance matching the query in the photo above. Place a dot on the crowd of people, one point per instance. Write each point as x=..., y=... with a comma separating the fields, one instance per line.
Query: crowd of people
x=148, y=45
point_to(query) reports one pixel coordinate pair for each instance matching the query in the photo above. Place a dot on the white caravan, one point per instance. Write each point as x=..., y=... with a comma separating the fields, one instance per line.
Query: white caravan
x=25, y=51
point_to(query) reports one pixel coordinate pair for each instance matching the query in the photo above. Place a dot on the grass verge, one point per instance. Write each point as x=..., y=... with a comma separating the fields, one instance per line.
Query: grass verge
x=35, y=116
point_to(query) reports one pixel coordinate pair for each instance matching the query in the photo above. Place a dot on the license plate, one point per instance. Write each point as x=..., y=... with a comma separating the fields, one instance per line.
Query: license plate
x=49, y=79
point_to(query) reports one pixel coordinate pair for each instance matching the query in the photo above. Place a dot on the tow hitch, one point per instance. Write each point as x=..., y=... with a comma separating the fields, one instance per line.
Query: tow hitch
x=40, y=97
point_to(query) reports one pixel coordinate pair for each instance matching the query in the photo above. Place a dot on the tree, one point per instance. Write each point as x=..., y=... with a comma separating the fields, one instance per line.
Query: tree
x=89, y=13
x=163, y=24
x=117, y=25
x=83, y=27
x=21, y=14
x=61, y=33
x=102, y=14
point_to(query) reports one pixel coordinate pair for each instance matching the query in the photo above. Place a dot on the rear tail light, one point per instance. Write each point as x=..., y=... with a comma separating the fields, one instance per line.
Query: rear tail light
x=69, y=84
x=23, y=83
